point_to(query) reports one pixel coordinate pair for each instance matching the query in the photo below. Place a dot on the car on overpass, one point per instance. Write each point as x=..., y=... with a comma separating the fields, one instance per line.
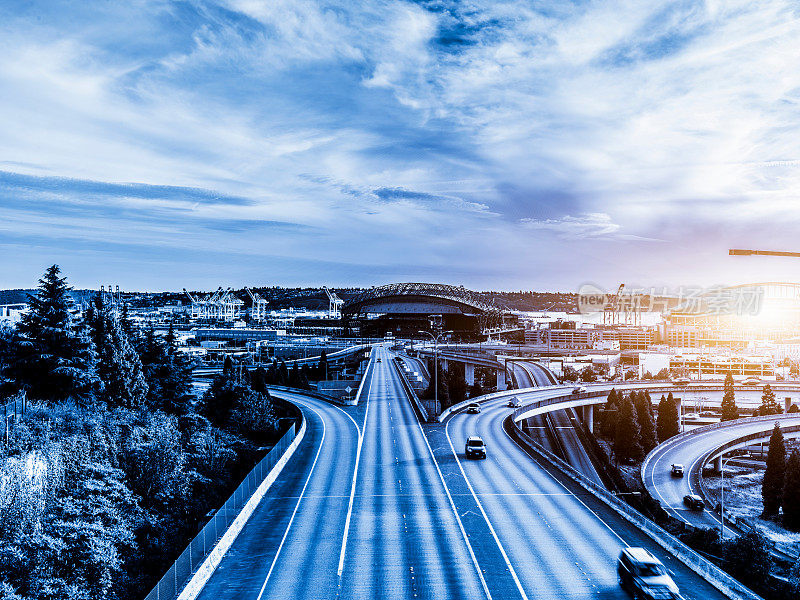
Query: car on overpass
x=676, y=470
x=475, y=447
x=694, y=502
x=474, y=408
x=644, y=576
x=514, y=402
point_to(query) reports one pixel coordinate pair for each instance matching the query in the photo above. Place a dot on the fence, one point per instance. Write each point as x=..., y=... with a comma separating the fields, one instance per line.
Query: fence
x=13, y=410
x=181, y=571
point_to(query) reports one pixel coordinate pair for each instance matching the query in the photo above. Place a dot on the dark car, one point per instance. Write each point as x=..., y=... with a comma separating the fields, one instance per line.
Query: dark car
x=379, y=360
x=643, y=576
x=474, y=408
x=676, y=470
x=694, y=502
x=475, y=447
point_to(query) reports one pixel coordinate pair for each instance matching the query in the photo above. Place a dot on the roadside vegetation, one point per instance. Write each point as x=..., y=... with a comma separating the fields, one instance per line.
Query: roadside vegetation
x=116, y=464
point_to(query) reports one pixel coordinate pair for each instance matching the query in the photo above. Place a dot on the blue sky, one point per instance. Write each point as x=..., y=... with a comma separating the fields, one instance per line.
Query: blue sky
x=495, y=144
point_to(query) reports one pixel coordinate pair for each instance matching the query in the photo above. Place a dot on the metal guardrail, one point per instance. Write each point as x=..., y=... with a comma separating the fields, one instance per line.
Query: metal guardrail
x=13, y=410
x=181, y=571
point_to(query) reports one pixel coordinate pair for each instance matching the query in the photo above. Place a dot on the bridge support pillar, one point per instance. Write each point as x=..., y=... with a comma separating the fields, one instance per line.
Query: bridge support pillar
x=443, y=364
x=718, y=464
x=501, y=380
x=588, y=417
x=469, y=373
x=787, y=402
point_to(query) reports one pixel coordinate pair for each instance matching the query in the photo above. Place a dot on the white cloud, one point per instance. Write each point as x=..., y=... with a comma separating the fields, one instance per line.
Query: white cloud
x=610, y=119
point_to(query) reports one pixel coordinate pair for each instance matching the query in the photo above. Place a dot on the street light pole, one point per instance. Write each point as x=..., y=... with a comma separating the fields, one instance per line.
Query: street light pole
x=435, y=365
x=722, y=498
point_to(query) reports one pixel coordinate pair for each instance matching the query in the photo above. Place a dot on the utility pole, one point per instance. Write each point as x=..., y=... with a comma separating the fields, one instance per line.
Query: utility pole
x=435, y=339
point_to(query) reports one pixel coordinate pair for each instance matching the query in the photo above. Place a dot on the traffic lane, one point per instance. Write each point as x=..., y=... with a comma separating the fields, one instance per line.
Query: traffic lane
x=570, y=443
x=290, y=545
x=669, y=490
x=537, y=512
x=576, y=454
x=405, y=541
x=556, y=548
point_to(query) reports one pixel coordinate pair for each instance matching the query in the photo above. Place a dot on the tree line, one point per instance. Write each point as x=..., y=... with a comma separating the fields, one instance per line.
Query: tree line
x=634, y=429
x=116, y=460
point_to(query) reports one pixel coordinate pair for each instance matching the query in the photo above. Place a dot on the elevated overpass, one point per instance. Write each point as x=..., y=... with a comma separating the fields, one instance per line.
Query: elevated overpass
x=470, y=361
x=697, y=448
x=333, y=357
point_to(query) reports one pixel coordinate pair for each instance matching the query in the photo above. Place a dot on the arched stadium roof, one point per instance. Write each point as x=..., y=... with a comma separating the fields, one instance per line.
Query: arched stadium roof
x=425, y=294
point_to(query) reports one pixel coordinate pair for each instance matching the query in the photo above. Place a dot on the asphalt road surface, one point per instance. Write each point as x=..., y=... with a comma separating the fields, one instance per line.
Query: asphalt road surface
x=560, y=540
x=398, y=513
x=670, y=490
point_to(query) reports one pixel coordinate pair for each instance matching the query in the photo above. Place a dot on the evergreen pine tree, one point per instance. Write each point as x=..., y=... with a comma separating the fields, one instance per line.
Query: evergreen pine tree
x=608, y=416
x=791, y=492
x=322, y=367
x=118, y=363
x=456, y=384
x=729, y=409
x=170, y=339
x=283, y=374
x=258, y=380
x=668, y=420
x=772, y=486
x=168, y=375
x=647, y=425
x=769, y=405
x=54, y=358
x=626, y=437
x=444, y=392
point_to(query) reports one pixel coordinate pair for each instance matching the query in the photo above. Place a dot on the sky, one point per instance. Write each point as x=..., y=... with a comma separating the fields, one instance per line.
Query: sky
x=493, y=144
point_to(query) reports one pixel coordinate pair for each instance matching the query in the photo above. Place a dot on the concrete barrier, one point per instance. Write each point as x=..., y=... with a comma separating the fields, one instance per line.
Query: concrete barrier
x=201, y=576
x=703, y=567
x=421, y=412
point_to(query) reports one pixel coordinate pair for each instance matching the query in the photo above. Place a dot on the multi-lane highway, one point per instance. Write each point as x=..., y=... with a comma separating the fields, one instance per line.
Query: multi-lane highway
x=376, y=505
x=354, y=515
x=405, y=539
x=561, y=542
x=689, y=450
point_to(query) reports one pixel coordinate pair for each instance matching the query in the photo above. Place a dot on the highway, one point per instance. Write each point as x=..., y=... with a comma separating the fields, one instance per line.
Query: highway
x=343, y=523
x=568, y=444
x=398, y=513
x=688, y=451
x=290, y=546
x=405, y=538
x=561, y=541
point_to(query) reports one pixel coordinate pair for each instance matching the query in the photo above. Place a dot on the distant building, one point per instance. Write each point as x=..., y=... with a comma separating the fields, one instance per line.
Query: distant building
x=630, y=338
x=10, y=314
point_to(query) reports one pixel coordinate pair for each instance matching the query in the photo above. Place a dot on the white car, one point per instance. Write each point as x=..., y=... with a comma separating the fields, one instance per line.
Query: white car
x=579, y=389
x=514, y=402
